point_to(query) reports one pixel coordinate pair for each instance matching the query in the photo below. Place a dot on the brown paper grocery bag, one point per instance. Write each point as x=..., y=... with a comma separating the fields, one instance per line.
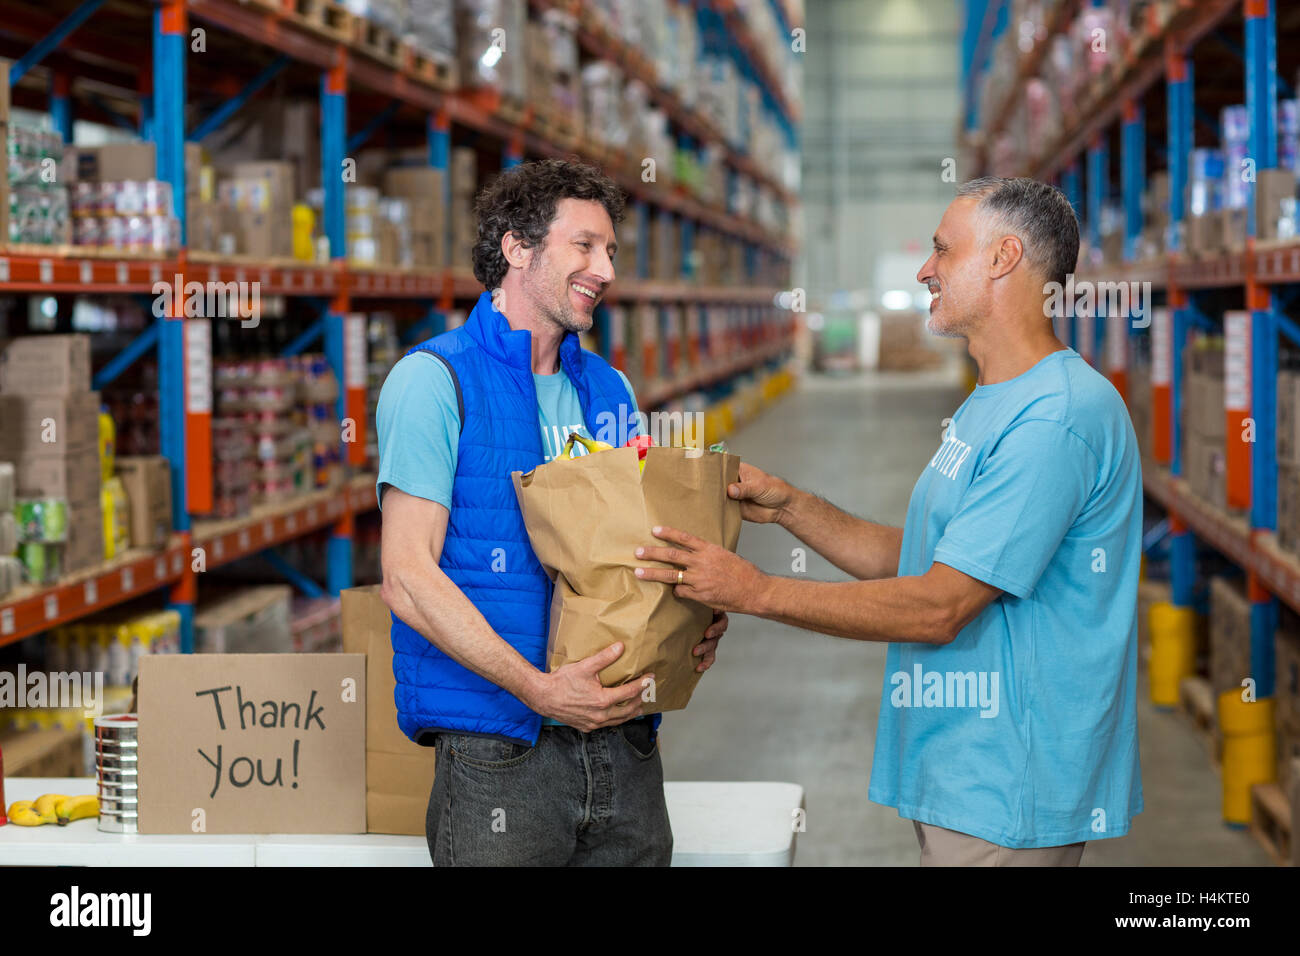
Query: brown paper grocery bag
x=585, y=519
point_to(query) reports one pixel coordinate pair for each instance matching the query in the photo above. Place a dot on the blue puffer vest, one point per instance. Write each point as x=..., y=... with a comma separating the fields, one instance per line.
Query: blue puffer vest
x=486, y=552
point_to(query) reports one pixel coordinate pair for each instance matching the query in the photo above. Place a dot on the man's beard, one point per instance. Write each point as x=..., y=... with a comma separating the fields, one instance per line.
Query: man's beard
x=561, y=311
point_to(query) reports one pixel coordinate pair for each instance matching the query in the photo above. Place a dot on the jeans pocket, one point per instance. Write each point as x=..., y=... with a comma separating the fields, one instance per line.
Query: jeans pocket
x=639, y=737
x=487, y=753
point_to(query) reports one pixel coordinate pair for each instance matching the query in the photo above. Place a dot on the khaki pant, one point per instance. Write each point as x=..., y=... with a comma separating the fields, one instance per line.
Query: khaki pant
x=941, y=847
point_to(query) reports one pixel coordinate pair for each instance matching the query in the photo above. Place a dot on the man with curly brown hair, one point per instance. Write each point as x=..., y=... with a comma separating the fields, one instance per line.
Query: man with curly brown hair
x=533, y=768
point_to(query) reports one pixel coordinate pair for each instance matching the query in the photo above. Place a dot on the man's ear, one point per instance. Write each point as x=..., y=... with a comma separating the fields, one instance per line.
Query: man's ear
x=1008, y=253
x=516, y=252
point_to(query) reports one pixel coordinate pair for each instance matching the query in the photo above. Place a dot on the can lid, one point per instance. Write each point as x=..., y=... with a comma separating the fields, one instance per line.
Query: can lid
x=116, y=720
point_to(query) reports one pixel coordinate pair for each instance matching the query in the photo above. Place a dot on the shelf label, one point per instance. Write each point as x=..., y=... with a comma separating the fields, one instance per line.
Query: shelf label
x=7, y=621
x=160, y=569
x=288, y=279
x=218, y=548
x=308, y=281
x=240, y=276
x=123, y=273
x=1236, y=359
x=47, y=271
x=128, y=579
x=311, y=515
x=354, y=351
x=244, y=542
x=4, y=269
x=266, y=277
x=155, y=273
x=1162, y=359
x=214, y=274
x=198, y=366
x=291, y=522
x=176, y=564
x=90, y=591
x=268, y=530
x=87, y=271
x=51, y=606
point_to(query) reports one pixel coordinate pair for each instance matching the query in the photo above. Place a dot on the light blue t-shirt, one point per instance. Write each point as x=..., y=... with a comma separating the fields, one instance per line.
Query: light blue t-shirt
x=1023, y=730
x=418, y=427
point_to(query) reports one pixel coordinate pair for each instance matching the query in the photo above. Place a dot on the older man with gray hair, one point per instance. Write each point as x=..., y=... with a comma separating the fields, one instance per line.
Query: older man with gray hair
x=1008, y=719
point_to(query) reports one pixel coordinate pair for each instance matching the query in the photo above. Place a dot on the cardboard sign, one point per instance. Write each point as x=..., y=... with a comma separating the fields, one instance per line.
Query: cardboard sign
x=252, y=743
x=399, y=773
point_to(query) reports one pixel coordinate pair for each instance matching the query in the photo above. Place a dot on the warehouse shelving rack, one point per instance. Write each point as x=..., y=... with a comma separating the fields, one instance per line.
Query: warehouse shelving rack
x=183, y=345
x=1261, y=273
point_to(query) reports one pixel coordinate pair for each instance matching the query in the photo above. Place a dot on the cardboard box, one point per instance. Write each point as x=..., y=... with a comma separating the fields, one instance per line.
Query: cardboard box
x=74, y=475
x=45, y=365
x=399, y=773
x=252, y=620
x=1229, y=635
x=48, y=424
x=276, y=178
x=1288, y=507
x=1149, y=594
x=264, y=235
x=148, y=484
x=1286, y=648
x=1203, y=234
x=114, y=162
x=415, y=182
x=464, y=172
x=1271, y=187
x=1288, y=417
x=260, y=743
x=1232, y=229
x=85, y=545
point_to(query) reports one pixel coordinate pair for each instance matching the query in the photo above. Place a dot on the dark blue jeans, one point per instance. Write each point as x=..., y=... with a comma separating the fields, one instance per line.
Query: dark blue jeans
x=575, y=799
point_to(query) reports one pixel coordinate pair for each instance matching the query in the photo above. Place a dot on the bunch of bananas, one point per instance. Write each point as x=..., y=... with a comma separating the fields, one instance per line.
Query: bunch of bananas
x=53, y=808
x=640, y=443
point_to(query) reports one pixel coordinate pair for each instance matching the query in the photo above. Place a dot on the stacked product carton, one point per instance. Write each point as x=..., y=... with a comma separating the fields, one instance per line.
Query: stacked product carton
x=49, y=427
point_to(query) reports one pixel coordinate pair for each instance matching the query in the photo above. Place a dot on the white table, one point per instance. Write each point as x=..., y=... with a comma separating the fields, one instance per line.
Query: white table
x=714, y=824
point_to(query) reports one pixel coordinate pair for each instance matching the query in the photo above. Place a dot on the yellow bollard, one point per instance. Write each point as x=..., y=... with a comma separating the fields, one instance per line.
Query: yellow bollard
x=1173, y=651
x=1249, y=752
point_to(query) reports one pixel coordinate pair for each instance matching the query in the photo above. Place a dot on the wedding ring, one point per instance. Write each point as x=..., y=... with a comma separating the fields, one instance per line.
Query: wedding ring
x=681, y=573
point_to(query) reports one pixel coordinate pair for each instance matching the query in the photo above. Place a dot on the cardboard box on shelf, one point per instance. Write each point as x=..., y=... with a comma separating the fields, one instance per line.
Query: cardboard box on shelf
x=1203, y=234
x=111, y=163
x=147, y=480
x=74, y=475
x=464, y=232
x=197, y=729
x=1232, y=229
x=1288, y=507
x=45, y=365
x=1286, y=646
x=1229, y=635
x=399, y=773
x=1288, y=417
x=248, y=620
x=414, y=182
x=48, y=424
x=85, y=545
x=464, y=172
x=1271, y=187
x=1149, y=594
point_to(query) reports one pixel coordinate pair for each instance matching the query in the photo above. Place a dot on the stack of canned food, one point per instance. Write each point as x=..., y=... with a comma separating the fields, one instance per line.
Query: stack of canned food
x=126, y=216
x=117, y=772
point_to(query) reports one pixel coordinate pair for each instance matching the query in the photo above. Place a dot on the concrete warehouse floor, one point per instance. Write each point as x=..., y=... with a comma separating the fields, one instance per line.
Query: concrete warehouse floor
x=791, y=705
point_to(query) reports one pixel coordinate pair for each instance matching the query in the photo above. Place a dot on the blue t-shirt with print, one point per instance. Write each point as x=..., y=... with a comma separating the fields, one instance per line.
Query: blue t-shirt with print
x=1023, y=730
